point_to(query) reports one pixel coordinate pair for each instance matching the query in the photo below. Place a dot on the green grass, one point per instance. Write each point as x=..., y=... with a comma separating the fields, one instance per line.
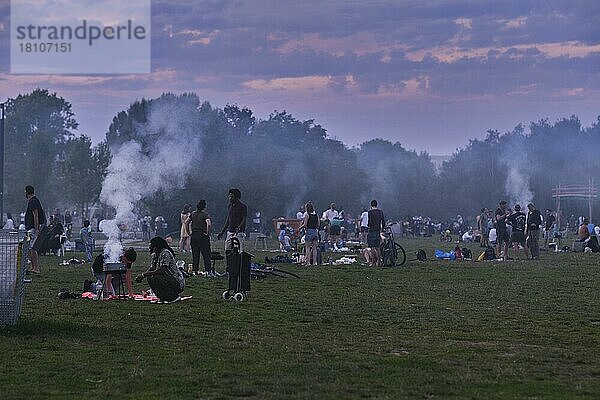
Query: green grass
x=437, y=329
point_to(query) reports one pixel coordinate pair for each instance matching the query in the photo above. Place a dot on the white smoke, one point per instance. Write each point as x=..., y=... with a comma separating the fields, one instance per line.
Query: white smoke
x=514, y=159
x=169, y=152
x=517, y=187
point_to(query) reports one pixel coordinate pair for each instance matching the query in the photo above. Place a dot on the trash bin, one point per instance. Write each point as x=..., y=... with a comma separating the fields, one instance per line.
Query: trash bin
x=13, y=268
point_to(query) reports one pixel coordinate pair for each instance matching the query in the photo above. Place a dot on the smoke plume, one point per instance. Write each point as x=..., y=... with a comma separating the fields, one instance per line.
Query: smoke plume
x=159, y=158
x=517, y=187
x=514, y=159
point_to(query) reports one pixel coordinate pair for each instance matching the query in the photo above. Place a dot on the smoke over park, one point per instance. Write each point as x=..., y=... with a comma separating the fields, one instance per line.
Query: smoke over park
x=162, y=153
x=158, y=157
x=185, y=156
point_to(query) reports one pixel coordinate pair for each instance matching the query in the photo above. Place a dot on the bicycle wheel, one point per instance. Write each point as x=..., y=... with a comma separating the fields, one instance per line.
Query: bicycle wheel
x=387, y=255
x=400, y=255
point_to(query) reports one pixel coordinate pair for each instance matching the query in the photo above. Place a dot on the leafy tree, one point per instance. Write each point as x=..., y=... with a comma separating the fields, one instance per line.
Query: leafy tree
x=83, y=169
x=38, y=125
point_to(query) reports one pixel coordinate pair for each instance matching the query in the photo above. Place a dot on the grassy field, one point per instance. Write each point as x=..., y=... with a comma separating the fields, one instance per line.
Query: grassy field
x=438, y=329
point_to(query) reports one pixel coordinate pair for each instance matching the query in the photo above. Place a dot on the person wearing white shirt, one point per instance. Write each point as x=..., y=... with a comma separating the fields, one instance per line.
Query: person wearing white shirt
x=331, y=213
x=10, y=223
x=333, y=232
x=493, y=236
x=467, y=236
x=364, y=226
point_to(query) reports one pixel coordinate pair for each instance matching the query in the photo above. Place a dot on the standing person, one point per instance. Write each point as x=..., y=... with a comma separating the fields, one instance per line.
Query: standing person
x=88, y=241
x=300, y=214
x=58, y=216
x=517, y=220
x=256, y=221
x=549, y=227
x=335, y=227
x=364, y=225
x=68, y=223
x=199, y=224
x=284, y=239
x=311, y=238
x=184, y=235
x=532, y=231
x=235, y=225
x=376, y=225
x=35, y=220
x=501, y=214
x=145, y=222
x=482, y=225
x=164, y=278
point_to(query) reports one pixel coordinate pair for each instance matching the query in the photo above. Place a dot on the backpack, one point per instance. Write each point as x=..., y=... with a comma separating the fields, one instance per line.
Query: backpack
x=466, y=253
x=421, y=255
x=489, y=253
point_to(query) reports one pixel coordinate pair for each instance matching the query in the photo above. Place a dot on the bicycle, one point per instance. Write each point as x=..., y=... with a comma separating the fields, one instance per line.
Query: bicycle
x=392, y=254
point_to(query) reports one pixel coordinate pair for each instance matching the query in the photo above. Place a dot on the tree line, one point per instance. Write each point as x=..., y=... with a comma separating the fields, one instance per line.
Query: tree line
x=281, y=162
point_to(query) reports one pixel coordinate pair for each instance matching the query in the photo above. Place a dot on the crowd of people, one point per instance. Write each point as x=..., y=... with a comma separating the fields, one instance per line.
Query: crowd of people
x=507, y=229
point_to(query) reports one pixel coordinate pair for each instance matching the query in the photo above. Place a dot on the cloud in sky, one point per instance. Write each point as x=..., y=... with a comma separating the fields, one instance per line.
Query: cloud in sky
x=428, y=74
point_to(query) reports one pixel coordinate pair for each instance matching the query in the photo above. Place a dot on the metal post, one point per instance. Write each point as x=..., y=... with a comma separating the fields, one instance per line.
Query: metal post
x=558, y=219
x=2, y=117
x=590, y=198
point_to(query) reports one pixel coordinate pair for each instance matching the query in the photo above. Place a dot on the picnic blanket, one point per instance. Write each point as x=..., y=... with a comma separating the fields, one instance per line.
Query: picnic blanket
x=139, y=297
x=136, y=297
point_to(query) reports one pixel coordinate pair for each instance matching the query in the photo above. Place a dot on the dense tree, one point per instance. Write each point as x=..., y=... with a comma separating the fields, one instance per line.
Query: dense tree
x=38, y=125
x=82, y=170
x=404, y=182
x=281, y=162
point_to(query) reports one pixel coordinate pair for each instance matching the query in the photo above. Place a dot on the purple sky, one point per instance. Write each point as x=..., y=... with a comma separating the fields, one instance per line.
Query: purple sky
x=429, y=74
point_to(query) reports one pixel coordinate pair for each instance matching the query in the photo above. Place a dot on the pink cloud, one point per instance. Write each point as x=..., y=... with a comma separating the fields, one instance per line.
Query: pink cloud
x=295, y=83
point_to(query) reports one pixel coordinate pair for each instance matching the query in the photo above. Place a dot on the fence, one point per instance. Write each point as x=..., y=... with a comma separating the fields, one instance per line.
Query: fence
x=13, y=268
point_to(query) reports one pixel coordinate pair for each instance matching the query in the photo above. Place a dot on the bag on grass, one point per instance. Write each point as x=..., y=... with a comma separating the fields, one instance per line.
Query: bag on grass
x=421, y=255
x=444, y=255
x=466, y=253
x=489, y=253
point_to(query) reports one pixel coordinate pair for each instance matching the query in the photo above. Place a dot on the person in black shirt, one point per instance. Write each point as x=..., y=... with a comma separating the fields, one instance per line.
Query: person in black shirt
x=235, y=225
x=532, y=231
x=376, y=224
x=517, y=220
x=310, y=222
x=111, y=283
x=501, y=215
x=35, y=220
x=199, y=224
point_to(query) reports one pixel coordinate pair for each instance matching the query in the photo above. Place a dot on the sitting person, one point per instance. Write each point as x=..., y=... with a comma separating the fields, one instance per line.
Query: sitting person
x=583, y=233
x=592, y=244
x=111, y=282
x=371, y=256
x=284, y=239
x=468, y=236
x=53, y=240
x=164, y=278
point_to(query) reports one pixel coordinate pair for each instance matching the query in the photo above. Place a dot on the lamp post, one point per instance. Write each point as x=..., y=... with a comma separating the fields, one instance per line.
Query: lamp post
x=2, y=117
